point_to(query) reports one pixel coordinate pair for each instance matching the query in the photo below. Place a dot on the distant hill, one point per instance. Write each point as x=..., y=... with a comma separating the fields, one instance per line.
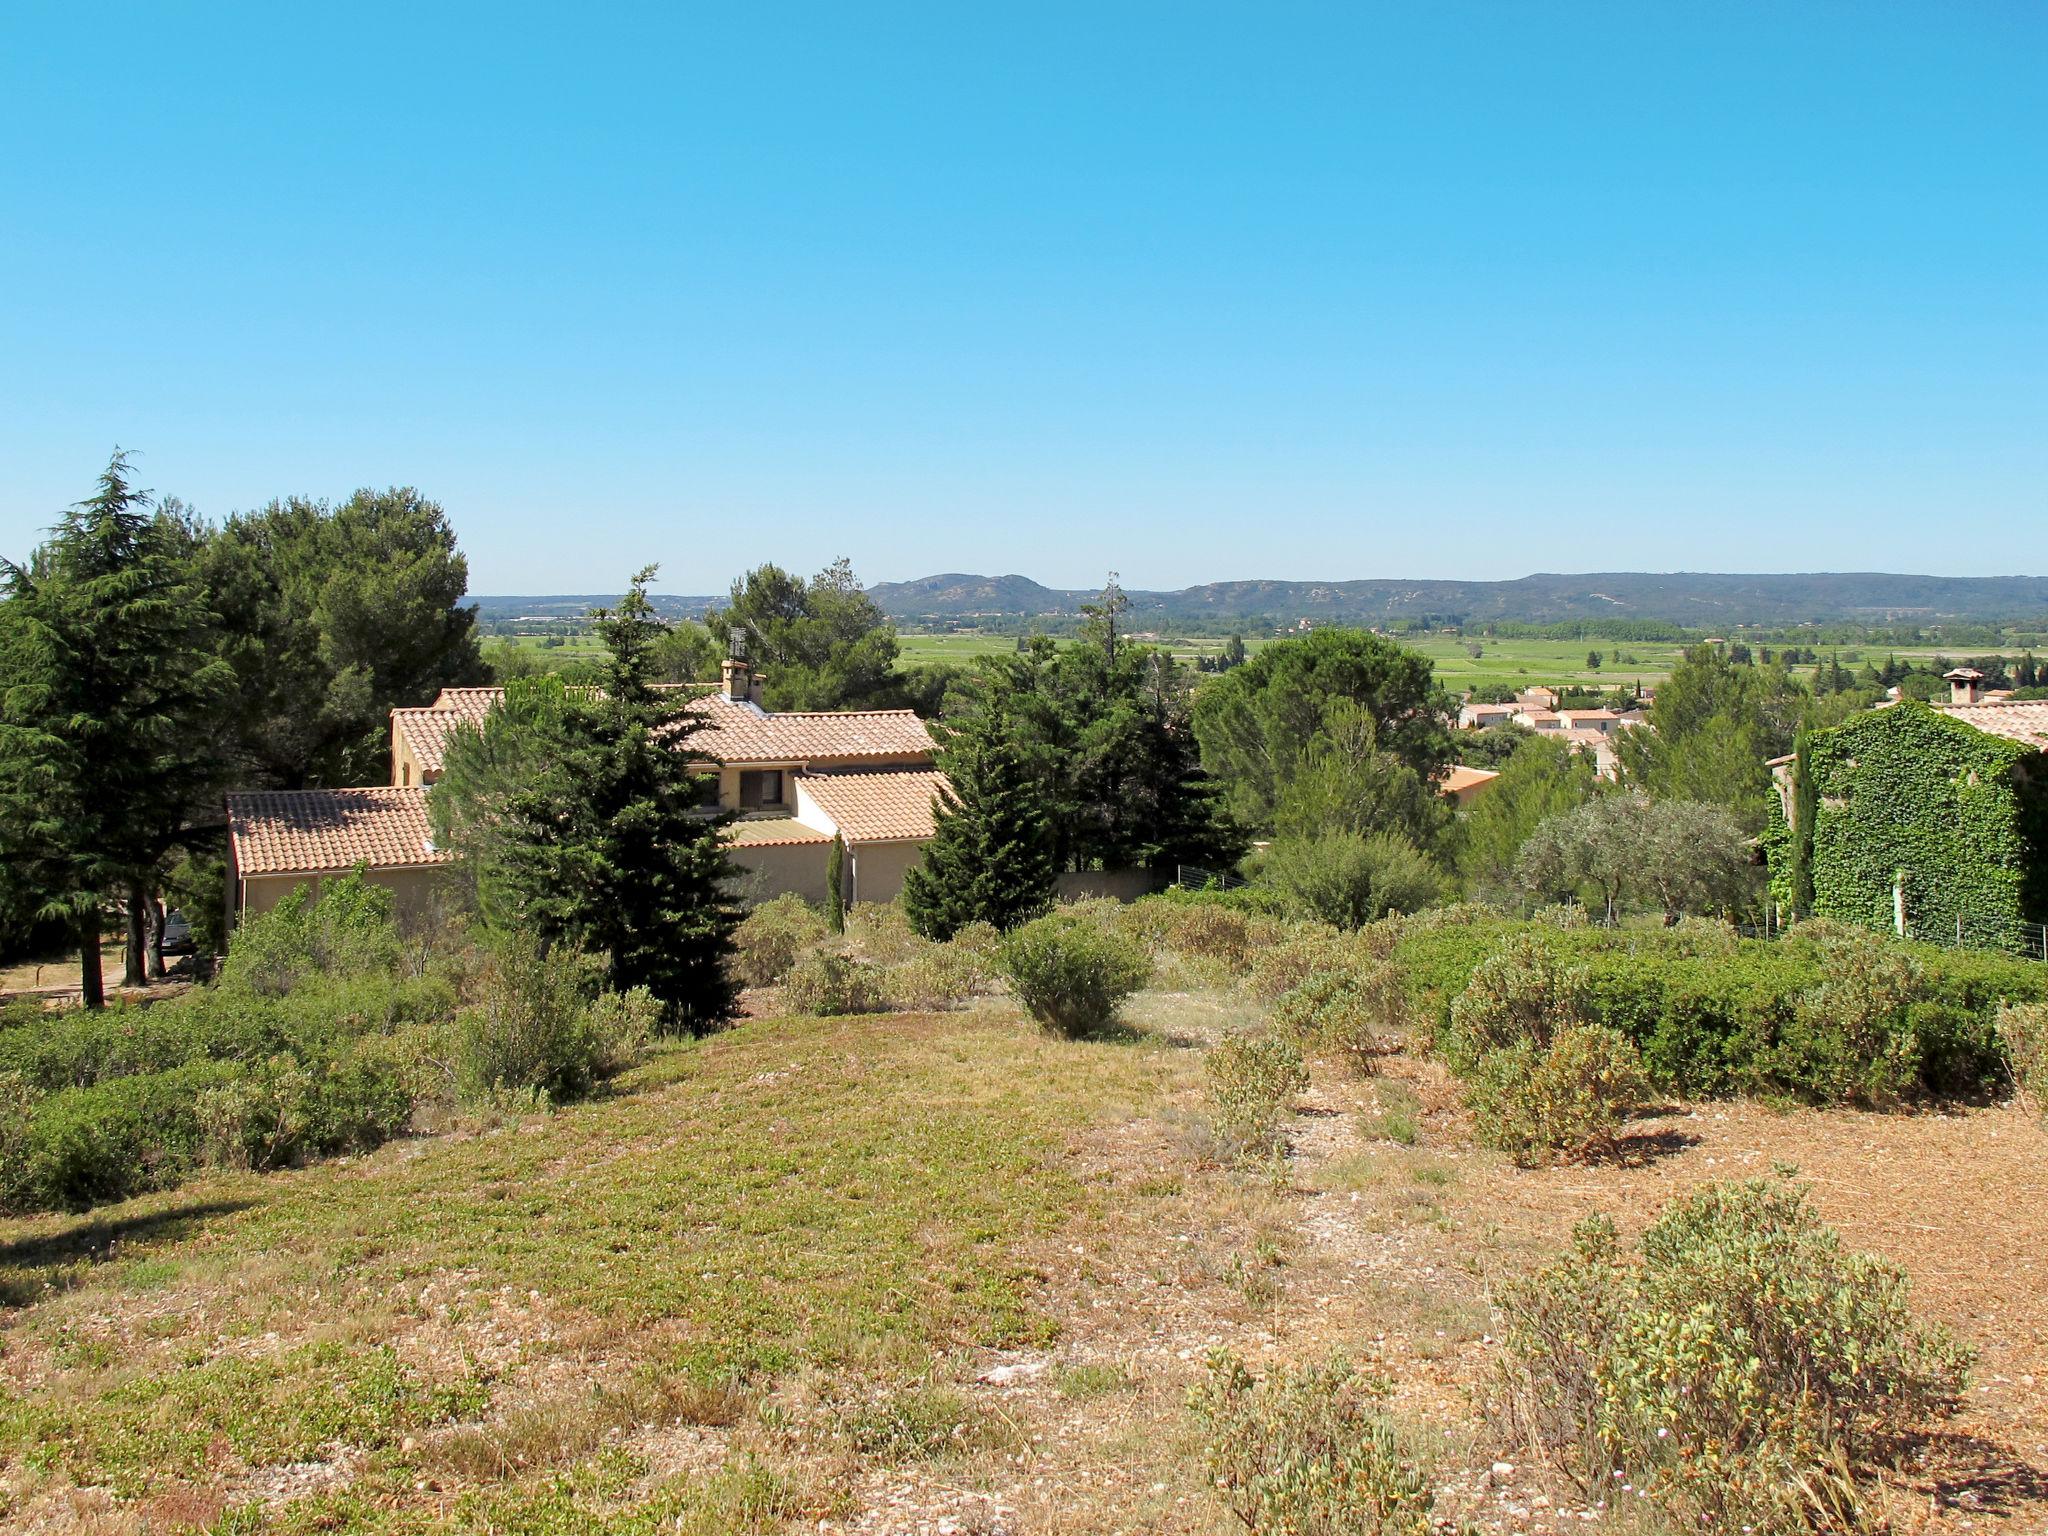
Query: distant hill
x=1691, y=598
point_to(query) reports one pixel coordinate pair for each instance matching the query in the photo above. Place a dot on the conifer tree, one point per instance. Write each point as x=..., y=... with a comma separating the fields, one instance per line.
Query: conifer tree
x=991, y=858
x=106, y=683
x=607, y=846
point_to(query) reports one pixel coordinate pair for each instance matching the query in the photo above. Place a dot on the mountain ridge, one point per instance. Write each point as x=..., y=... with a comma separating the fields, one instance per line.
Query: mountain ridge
x=1677, y=597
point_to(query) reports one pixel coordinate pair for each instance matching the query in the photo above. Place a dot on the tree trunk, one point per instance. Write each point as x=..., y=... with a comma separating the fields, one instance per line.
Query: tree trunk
x=155, y=940
x=132, y=972
x=91, y=985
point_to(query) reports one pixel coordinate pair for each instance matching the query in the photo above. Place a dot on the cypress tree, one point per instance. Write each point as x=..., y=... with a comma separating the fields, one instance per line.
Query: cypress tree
x=991, y=858
x=1805, y=802
x=835, y=885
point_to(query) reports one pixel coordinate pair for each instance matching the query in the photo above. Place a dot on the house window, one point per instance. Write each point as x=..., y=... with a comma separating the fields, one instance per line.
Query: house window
x=760, y=789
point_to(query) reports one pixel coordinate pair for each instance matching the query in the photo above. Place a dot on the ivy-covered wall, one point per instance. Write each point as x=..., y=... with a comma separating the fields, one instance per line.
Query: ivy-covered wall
x=1962, y=812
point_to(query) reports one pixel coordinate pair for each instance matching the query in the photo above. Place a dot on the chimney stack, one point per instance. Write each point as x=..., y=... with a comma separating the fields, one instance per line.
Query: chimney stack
x=1965, y=685
x=736, y=679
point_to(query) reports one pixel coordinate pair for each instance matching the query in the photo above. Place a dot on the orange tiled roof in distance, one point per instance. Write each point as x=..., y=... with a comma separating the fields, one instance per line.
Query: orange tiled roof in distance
x=736, y=733
x=310, y=831
x=875, y=807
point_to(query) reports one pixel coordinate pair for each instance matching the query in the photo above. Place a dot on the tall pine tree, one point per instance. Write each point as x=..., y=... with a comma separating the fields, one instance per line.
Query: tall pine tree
x=607, y=846
x=992, y=856
x=107, y=684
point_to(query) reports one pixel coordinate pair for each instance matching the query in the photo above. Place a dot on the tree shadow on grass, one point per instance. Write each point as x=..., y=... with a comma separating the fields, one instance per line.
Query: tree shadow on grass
x=31, y=1266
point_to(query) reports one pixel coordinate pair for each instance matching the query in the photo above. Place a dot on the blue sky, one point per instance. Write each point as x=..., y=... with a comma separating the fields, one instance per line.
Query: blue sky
x=1190, y=292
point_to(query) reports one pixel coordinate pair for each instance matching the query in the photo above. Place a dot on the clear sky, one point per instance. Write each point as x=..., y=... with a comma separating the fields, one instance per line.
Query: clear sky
x=1189, y=291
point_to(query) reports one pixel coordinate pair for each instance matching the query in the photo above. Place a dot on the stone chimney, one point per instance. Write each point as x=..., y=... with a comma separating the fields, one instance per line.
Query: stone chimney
x=1965, y=685
x=736, y=679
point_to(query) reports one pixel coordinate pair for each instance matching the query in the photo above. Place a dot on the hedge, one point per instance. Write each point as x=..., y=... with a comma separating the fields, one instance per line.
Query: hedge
x=1713, y=1014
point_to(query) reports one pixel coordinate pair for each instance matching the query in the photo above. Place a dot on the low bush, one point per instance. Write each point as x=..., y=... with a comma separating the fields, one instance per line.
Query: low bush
x=1308, y=1450
x=1070, y=974
x=938, y=977
x=1199, y=930
x=828, y=985
x=770, y=939
x=86, y=1146
x=1296, y=955
x=1563, y=1100
x=1349, y=1014
x=2023, y=1037
x=880, y=931
x=1253, y=1081
x=533, y=1032
x=279, y=1112
x=1349, y=879
x=1741, y=1369
x=1524, y=993
x=346, y=930
x=1713, y=1014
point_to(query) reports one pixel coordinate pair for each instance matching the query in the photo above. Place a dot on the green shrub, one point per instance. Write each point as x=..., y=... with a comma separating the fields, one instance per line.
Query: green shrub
x=1253, y=1081
x=1070, y=974
x=938, y=977
x=829, y=985
x=1743, y=1371
x=771, y=937
x=2023, y=1036
x=1852, y=1036
x=1350, y=1014
x=17, y=1110
x=880, y=931
x=1200, y=930
x=1522, y=993
x=1296, y=955
x=347, y=930
x=280, y=1112
x=1308, y=1451
x=1563, y=1100
x=124, y=1137
x=531, y=1032
x=1349, y=879
x=1715, y=1015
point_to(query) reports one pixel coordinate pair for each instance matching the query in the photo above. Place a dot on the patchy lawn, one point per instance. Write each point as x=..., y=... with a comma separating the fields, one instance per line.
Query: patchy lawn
x=899, y=1274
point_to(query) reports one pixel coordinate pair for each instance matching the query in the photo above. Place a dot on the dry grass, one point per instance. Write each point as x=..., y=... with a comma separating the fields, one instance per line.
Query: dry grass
x=902, y=1274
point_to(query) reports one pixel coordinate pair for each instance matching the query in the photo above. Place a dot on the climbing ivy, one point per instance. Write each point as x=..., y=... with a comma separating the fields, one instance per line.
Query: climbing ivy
x=1959, y=811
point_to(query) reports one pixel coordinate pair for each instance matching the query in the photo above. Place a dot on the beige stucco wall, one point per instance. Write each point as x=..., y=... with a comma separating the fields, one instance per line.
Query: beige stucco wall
x=414, y=892
x=405, y=767
x=877, y=869
x=769, y=869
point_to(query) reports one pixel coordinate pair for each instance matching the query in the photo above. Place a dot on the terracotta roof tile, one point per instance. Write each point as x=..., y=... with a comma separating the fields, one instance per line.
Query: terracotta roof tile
x=875, y=807
x=309, y=831
x=738, y=733
x=773, y=832
x=2023, y=720
x=1461, y=778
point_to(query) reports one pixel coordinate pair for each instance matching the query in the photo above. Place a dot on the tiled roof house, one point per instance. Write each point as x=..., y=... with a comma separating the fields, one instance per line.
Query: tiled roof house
x=794, y=778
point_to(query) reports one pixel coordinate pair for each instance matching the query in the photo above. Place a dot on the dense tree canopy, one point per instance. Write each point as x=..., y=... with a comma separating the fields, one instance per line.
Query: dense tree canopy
x=818, y=644
x=1106, y=725
x=1543, y=778
x=1256, y=722
x=331, y=617
x=1670, y=856
x=1714, y=725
